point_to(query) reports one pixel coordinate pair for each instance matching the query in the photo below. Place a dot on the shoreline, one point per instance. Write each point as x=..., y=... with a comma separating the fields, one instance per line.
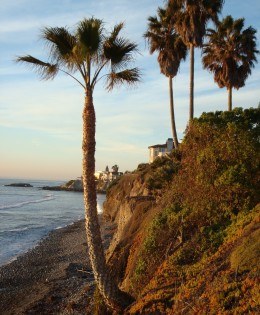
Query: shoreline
x=18, y=236
x=36, y=243
x=54, y=277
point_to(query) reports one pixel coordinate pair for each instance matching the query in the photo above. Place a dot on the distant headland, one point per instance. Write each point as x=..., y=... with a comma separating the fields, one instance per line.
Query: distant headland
x=75, y=185
x=72, y=185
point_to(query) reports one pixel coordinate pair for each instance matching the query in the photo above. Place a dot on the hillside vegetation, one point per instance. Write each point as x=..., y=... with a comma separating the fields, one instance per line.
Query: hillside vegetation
x=188, y=237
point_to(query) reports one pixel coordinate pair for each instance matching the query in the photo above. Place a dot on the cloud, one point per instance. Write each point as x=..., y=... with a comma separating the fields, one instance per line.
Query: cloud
x=128, y=120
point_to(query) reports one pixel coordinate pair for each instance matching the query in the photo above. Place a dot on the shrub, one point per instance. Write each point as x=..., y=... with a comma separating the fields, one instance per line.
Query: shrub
x=208, y=189
x=247, y=255
x=162, y=174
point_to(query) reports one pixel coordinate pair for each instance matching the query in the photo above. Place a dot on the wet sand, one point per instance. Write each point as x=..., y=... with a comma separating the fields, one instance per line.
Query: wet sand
x=53, y=278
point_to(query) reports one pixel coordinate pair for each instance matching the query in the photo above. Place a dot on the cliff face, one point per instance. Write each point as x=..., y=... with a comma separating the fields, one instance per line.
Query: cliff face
x=131, y=204
x=128, y=204
x=130, y=185
x=175, y=267
x=187, y=238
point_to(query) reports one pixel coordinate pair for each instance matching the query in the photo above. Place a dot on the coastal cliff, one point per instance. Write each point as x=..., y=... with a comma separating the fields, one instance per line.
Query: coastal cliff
x=187, y=239
x=127, y=205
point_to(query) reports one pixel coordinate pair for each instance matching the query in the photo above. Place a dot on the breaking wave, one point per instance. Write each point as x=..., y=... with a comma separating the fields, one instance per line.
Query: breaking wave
x=21, y=204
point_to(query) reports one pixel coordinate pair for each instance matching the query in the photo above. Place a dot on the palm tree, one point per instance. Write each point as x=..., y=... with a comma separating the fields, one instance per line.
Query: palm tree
x=190, y=18
x=230, y=54
x=162, y=37
x=87, y=52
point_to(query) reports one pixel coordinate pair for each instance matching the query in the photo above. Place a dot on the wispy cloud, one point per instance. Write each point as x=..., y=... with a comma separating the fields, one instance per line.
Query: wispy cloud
x=48, y=114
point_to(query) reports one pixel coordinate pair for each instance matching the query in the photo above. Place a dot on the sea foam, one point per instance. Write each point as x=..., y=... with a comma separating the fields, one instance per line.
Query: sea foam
x=23, y=203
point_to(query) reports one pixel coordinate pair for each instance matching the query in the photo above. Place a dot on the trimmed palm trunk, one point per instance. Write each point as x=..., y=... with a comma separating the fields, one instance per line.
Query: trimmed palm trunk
x=191, y=81
x=174, y=133
x=229, y=98
x=89, y=47
x=113, y=297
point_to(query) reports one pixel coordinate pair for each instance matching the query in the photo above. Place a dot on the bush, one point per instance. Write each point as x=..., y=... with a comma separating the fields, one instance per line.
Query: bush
x=163, y=171
x=247, y=255
x=205, y=188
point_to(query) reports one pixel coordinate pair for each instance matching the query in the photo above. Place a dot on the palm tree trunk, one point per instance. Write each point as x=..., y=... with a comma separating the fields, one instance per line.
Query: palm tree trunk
x=229, y=99
x=191, y=81
x=113, y=297
x=174, y=133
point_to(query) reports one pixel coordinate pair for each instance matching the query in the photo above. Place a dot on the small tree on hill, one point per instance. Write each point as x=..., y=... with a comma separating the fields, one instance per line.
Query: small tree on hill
x=115, y=168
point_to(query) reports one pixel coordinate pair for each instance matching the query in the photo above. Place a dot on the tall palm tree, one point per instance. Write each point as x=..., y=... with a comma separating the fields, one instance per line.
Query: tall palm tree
x=162, y=37
x=230, y=54
x=190, y=18
x=87, y=51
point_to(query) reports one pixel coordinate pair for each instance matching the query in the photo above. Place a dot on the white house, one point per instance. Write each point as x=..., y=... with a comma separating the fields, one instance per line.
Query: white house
x=159, y=150
x=108, y=176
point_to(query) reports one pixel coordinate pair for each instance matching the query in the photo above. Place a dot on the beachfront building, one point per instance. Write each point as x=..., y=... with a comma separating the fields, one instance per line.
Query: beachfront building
x=110, y=176
x=159, y=150
x=98, y=175
x=107, y=175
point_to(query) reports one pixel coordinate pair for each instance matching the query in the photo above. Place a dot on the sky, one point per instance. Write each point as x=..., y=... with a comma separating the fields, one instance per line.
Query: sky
x=41, y=121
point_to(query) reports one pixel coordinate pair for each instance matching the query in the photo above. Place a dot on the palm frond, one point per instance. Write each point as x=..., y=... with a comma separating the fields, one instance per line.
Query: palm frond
x=62, y=46
x=116, y=30
x=129, y=76
x=118, y=50
x=90, y=36
x=45, y=70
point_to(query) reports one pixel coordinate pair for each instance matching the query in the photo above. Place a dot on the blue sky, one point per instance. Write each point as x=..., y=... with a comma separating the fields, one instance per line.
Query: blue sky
x=40, y=121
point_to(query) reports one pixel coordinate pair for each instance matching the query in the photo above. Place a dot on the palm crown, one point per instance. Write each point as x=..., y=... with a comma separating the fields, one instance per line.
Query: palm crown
x=163, y=38
x=230, y=54
x=192, y=16
x=88, y=47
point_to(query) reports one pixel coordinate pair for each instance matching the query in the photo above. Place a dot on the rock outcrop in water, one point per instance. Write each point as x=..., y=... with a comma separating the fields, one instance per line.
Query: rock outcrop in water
x=72, y=185
x=19, y=185
x=77, y=186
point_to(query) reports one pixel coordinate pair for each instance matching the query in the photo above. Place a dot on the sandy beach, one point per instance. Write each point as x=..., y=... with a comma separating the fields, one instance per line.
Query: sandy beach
x=53, y=278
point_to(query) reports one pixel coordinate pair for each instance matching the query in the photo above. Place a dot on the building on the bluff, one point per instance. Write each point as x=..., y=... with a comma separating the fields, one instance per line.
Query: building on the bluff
x=107, y=175
x=159, y=150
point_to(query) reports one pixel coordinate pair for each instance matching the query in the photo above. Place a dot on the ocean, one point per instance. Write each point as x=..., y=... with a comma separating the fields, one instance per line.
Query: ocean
x=29, y=214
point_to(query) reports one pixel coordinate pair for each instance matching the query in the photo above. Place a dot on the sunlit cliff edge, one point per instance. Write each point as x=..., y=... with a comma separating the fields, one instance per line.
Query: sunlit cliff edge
x=187, y=239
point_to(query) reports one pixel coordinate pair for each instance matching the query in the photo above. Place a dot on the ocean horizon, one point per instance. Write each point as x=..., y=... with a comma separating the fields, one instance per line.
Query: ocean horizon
x=28, y=214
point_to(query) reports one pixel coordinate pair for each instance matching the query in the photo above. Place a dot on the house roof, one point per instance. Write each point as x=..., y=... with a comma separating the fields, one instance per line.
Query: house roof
x=158, y=146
